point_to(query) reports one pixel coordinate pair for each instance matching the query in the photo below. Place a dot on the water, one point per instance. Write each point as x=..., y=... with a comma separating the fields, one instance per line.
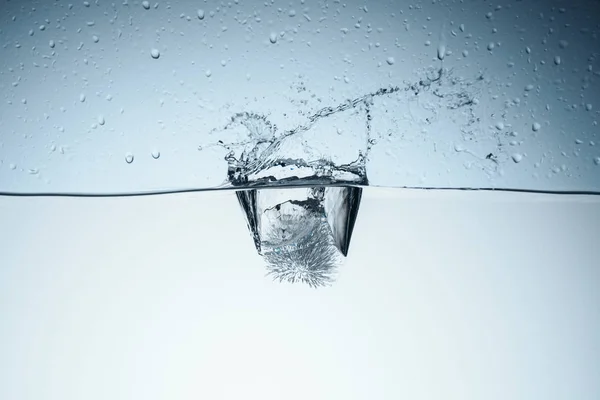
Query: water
x=141, y=296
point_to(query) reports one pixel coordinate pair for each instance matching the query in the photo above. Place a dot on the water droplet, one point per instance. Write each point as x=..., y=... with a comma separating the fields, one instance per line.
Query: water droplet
x=82, y=97
x=95, y=39
x=273, y=37
x=200, y=14
x=42, y=27
x=208, y=73
x=491, y=46
x=461, y=27
x=223, y=63
x=51, y=44
x=146, y=4
x=529, y=88
x=155, y=154
x=12, y=166
x=441, y=51
x=155, y=53
x=101, y=120
x=517, y=157
x=500, y=125
x=346, y=79
x=536, y=126
x=390, y=60
x=557, y=60
x=588, y=107
x=596, y=161
x=129, y=158
x=458, y=148
x=563, y=44
x=465, y=53
x=292, y=13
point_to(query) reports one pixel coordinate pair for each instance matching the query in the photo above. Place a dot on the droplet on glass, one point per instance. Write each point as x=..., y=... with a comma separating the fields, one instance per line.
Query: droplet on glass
x=129, y=158
x=208, y=73
x=12, y=166
x=101, y=120
x=146, y=4
x=557, y=60
x=82, y=97
x=155, y=53
x=517, y=157
x=588, y=107
x=390, y=60
x=51, y=43
x=273, y=37
x=536, y=126
x=441, y=51
x=500, y=125
x=155, y=154
x=200, y=14
x=95, y=38
x=491, y=46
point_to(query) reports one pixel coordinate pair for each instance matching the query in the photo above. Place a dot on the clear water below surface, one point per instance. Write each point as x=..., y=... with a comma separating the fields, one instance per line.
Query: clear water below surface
x=489, y=295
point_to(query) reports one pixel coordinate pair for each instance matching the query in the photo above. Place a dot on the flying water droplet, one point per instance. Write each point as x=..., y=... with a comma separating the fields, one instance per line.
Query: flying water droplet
x=155, y=53
x=128, y=158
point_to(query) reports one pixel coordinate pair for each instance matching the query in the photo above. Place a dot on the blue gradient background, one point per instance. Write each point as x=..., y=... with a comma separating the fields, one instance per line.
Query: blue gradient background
x=335, y=50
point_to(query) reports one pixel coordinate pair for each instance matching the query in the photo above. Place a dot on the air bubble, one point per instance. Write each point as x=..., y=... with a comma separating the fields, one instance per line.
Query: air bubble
x=155, y=53
x=128, y=158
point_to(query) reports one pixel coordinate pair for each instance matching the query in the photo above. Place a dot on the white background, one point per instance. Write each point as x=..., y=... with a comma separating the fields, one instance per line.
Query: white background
x=447, y=295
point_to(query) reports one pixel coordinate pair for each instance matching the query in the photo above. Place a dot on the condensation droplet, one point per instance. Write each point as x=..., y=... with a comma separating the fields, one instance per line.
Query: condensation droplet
x=82, y=97
x=101, y=120
x=208, y=73
x=517, y=157
x=557, y=60
x=441, y=51
x=292, y=13
x=129, y=158
x=95, y=38
x=273, y=37
x=51, y=43
x=200, y=14
x=146, y=4
x=491, y=46
x=155, y=154
x=588, y=107
x=155, y=53
x=529, y=88
x=12, y=166
x=390, y=60
x=465, y=53
x=536, y=126
x=500, y=125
